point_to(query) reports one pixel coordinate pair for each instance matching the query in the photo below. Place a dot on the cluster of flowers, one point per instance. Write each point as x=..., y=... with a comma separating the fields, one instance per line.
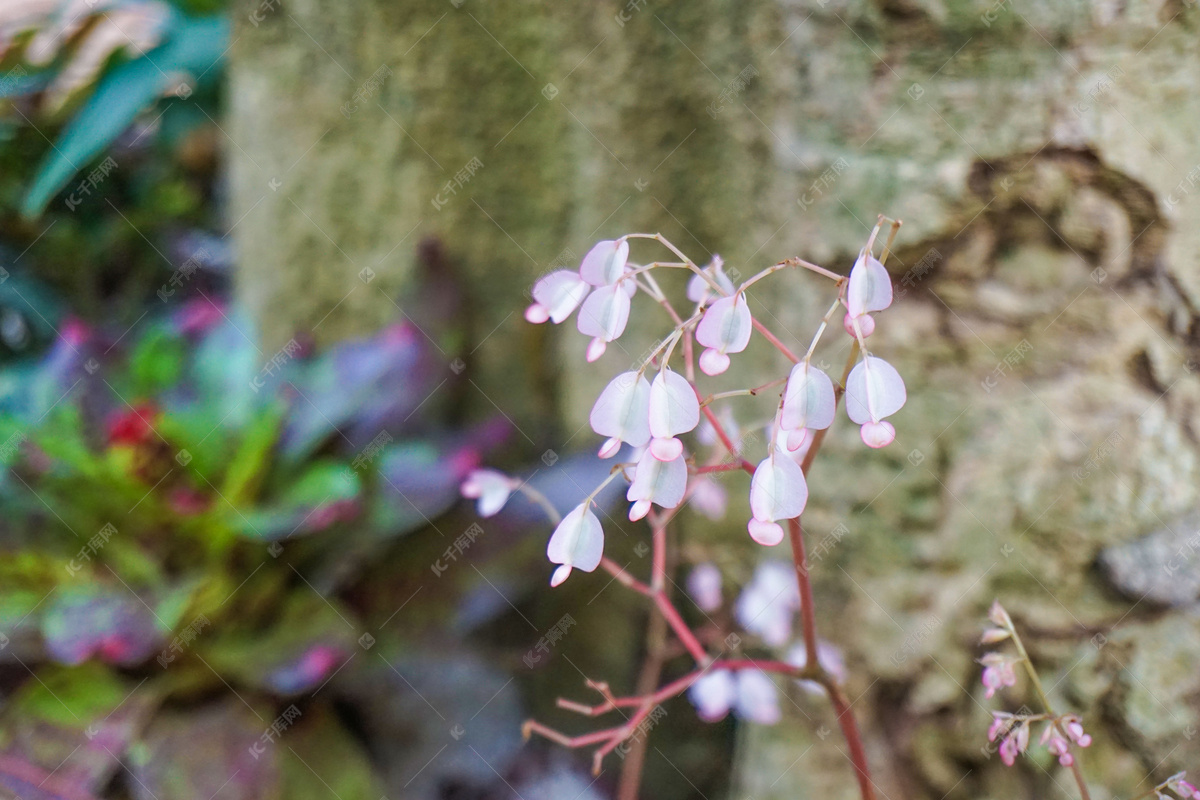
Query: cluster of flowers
x=766, y=607
x=649, y=415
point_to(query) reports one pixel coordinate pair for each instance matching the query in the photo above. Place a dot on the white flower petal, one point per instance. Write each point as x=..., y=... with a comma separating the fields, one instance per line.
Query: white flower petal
x=726, y=325
x=870, y=286
x=808, y=401
x=622, y=411
x=674, y=408
x=662, y=482
x=874, y=390
x=578, y=541
x=757, y=697
x=605, y=262
x=704, y=586
x=604, y=313
x=559, y=294
x=778, y=489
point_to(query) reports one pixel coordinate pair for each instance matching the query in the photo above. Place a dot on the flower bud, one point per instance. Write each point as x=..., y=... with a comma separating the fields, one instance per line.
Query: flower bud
x=874, y=390
x=654, y=481
x=577, y=543
x=603, y=317
x=777, y=491
x=808, y=400
x=556, y=296
x=674, y=409
x=725, y=328
x=622, y=413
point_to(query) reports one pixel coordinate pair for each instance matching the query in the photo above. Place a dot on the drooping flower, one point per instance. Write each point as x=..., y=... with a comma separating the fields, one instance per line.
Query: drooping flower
x=577, y=543
x=699, y=290
x=713, y=694
x=869, y=289
x=808, y=400
x=777, y=491
x=490, y=488
x=1057, y=744
x=874, y=390
x=1073, y=725
x=769, y=602
x=998, y=672
x=751, y=694
x=757, y=697
x=828, y=656
x=603, y=317
x=725, y=328
x=556, y=296
x=1015, y=742
x=709, y=498
x=622, y=413
x=674, y=409
x=661, y=482
x=605, y=263
x=704, y=586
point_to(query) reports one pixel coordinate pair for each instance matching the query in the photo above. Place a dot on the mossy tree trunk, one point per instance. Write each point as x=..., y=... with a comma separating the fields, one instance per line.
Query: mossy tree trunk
x=1044, y=159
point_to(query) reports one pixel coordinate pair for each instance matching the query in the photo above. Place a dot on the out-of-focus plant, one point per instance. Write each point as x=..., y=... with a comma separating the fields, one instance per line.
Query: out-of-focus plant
x=181, y=511
x=99, y=64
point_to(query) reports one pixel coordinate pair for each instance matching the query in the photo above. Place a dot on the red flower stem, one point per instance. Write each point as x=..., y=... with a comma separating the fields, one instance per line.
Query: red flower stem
x=773, y=339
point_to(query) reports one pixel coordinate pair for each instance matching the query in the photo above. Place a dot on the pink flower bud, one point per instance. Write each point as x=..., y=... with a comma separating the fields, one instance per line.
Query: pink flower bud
x=777, y=491
x=808, y=400
x=603, y=316
x=866, y=324
x=605, y=263
x=704, y=586
x=660, y=482
x=870, y=287
x=993, y=635
x=622, y=413
x=577, y=543
x=674, y=409
x=556, y=296
x=725, y=328
x=874, y=390
x=490, y=488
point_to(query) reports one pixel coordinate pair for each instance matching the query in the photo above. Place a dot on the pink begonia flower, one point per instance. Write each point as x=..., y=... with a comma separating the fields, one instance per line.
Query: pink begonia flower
x=603, y=317
x=1073, y=725
x=709, y=498
x=1057, y=744
x=808, y=400
x=725, y=328
x=874, y=390
x=605, y=263
x=674, y=409
x=749, y=692
x=828, y=657
x=659, y=482
x=699, y=290
x=1182, y=787
x=757, y=697
x=767, y=605
x=556, y=296
x=622, y=413
x=777, y=491
x=713, y=694
x=490, y=488
x=869, y=289
x=998, y=672
x=704, y=586
x=1001, y=722
x=577, y=543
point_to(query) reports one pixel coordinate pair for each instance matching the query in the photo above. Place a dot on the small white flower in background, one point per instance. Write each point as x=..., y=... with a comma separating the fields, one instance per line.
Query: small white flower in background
x=603, y=317
x=709, y=498
x=828, y=656
x=713, y=694
x=490, y=488
x=622, y=413
x=870, y=289
x=605, y=263
x=674, y=409
x=777, y=491
x=577, y=543
x=751, y=694
x=767, y=605
x=655, y=481
x=808, y=400
x=874, y=390
x=699, y=290
x=556, y=296
x=757, y=697
x=704, y=586
x=725, y=328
